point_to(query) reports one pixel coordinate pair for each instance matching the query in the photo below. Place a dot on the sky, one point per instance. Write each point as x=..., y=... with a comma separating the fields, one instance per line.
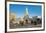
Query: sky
x=19, y=10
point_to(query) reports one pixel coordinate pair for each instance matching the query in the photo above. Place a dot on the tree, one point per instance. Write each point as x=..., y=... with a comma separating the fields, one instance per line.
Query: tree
x=12, y=17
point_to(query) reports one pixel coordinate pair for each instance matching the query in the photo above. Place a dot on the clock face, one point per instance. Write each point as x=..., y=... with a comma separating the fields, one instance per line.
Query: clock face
x=25, y=16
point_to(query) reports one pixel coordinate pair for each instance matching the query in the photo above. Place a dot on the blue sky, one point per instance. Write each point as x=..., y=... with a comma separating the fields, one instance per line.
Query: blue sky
x=19, y=10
